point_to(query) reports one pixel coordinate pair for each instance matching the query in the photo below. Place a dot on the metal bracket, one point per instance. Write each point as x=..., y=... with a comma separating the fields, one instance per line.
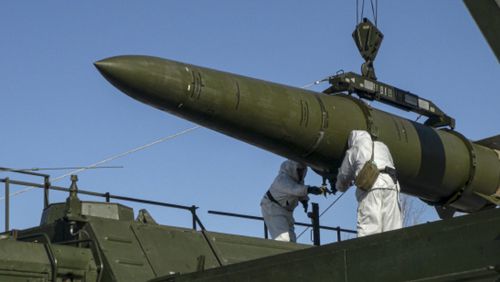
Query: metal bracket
x=371, y=89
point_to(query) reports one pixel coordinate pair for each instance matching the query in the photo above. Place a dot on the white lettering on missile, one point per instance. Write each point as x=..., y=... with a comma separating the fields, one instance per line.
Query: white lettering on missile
x=189, y=87
x=369, y=85
x=423, y=104
x=389, y=92
x=186, y=68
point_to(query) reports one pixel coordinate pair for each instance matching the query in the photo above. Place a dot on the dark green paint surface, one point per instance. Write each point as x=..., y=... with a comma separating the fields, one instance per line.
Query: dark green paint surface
x=311, y=127
x=433, y=158
x=466, y=247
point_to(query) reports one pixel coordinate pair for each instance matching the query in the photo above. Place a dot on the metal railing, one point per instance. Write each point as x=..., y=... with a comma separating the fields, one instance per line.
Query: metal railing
x=107, y=196
x=314, y=215
x=316, y=227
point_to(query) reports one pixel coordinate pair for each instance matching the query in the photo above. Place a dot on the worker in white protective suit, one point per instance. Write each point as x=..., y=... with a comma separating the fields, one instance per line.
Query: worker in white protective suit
x=282, y=198
x=379, y=209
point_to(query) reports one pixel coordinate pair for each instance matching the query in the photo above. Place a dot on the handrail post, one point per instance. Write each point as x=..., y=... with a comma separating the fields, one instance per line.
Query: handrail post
x=315, y=224
x=7, y=203
x=193, y=213
x=107, y=196
x=266, y=236
x=338, y=234
x=46, y=188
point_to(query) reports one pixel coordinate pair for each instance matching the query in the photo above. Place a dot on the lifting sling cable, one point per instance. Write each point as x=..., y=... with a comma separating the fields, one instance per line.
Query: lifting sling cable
x=374, y=8
x=110, y=159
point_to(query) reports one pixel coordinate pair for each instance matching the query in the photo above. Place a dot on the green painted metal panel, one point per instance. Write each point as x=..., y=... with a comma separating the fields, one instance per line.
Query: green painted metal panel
x=23, y=257
x=122, y=254
x=233, y=249
x=172, y=250
x=26, y=261
x=57, y=211
x=457, y=169
x=486, y=13
x=465, y=248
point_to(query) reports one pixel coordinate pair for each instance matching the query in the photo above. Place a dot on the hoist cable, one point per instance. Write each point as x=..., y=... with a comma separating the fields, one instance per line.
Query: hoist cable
x=373, y=12
x=357, y=12
x=362, y=9
x=374, y=8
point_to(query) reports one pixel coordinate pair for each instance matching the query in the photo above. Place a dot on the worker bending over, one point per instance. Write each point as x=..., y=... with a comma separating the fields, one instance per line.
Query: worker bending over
x=282, y=198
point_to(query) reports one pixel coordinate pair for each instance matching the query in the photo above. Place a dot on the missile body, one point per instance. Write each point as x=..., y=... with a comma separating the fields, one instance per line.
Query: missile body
x=439, y=166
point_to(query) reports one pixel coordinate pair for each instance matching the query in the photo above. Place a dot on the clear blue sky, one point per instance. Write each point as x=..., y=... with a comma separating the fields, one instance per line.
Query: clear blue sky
x=57, y=110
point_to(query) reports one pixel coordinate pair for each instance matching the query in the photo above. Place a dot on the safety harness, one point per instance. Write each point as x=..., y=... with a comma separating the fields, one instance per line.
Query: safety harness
x=391, y=172
x=270, y=197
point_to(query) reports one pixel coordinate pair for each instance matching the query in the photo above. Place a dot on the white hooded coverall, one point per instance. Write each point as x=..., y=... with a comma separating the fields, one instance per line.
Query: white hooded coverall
x=287, y=189
x=379, y=209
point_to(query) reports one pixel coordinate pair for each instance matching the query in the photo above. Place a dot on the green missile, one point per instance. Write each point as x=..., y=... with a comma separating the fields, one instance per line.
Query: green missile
x=439, y=166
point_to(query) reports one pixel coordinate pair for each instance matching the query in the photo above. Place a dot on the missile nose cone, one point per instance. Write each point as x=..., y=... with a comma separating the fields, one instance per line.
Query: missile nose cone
x=103, y=65
x=118, y=70
x=157, y=82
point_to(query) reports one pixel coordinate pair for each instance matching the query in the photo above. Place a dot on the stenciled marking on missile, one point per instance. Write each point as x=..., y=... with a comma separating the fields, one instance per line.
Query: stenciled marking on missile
x=324, y=125
x=238, y=94
x=432, y=157
x=324, y=113
x=404, y=131
x=398, y=130
x=304, y=113
x=197, y=84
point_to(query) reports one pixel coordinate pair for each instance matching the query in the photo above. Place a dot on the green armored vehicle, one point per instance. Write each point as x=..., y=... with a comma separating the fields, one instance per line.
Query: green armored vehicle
x=101, y=241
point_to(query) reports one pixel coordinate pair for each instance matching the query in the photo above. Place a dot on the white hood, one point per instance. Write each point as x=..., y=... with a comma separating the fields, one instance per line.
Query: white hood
x=290, y=167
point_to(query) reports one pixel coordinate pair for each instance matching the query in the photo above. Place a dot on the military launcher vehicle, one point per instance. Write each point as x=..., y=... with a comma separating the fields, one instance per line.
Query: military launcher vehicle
x=101, y=241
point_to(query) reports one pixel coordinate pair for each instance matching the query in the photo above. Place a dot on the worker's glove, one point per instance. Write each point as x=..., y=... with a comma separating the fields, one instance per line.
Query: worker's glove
x=305, y=205
x=315, y=190
x=334, y=189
